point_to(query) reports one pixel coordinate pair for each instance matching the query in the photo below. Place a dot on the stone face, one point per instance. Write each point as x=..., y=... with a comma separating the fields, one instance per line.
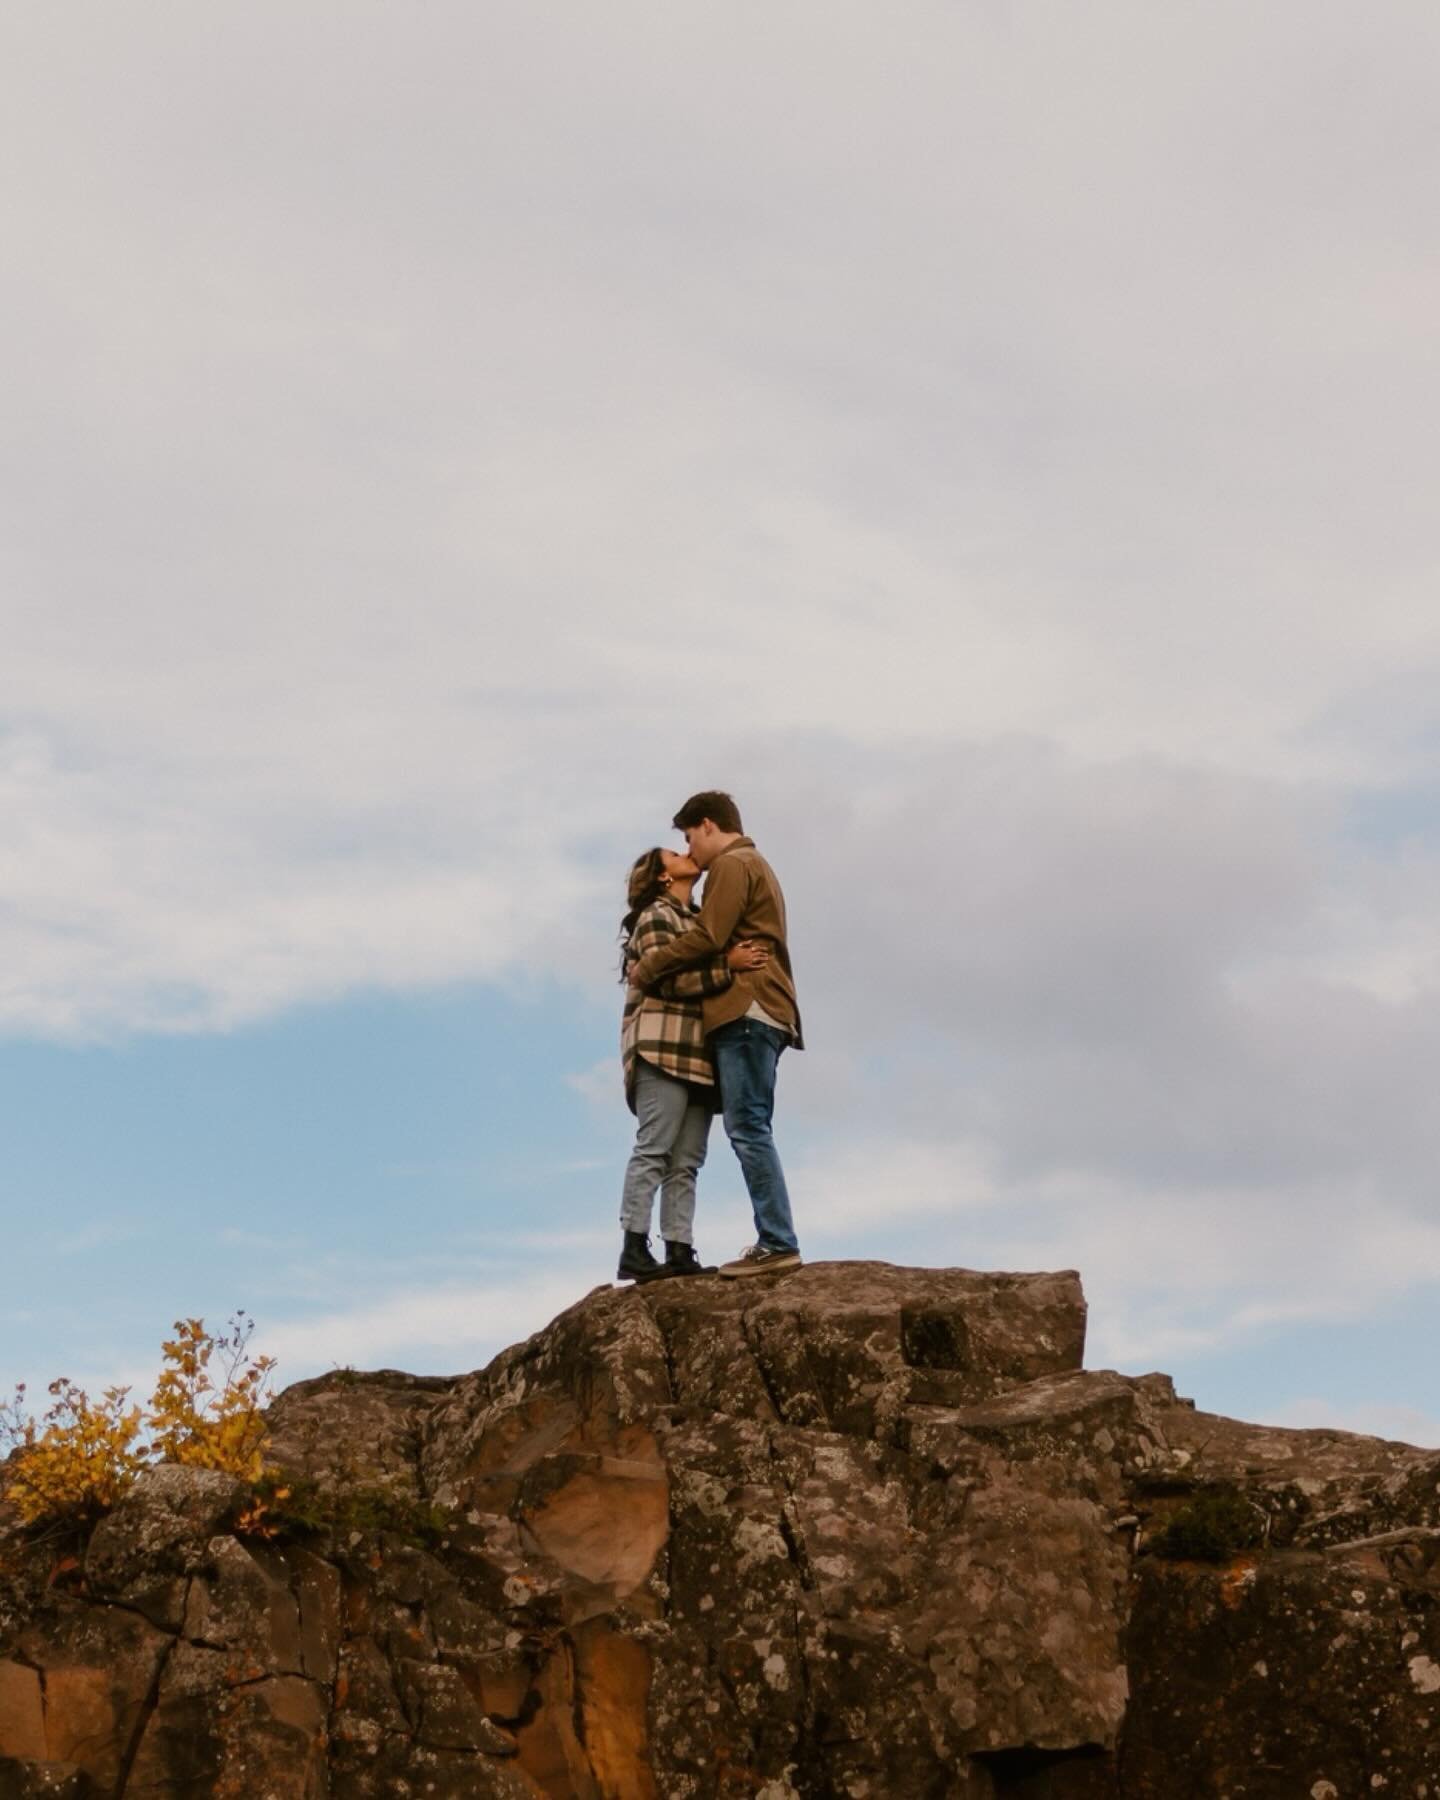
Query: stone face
x=22, y=1712
x=1294, y=1662
x=98, y=1667
x=212, y=1735
x=22, y=1779
x=355, y=1425
x=855, y=1531
x=142, y=1553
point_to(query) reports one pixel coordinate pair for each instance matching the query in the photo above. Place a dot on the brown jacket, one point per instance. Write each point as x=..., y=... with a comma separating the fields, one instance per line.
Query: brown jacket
x=742, y=900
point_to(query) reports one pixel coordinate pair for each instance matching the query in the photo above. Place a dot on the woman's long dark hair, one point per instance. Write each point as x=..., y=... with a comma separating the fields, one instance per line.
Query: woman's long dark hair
x=644, y=887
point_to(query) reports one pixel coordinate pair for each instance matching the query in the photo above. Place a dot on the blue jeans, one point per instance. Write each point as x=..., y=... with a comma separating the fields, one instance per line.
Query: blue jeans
x=747, y=1054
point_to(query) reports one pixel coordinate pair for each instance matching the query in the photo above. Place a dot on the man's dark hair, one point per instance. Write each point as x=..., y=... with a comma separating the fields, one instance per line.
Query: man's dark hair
x=713, y=805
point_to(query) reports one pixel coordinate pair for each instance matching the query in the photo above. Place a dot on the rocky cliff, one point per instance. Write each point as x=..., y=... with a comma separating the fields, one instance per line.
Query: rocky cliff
x=855, y=1531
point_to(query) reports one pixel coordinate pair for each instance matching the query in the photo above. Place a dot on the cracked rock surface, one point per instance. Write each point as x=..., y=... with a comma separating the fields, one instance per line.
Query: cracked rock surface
x=852, y=1531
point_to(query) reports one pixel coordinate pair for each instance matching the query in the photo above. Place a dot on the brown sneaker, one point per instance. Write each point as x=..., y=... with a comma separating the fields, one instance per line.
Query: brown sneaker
x=757, y=1260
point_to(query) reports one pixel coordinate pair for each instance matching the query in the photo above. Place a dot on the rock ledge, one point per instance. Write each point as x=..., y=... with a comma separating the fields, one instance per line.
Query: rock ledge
x=855, y=1531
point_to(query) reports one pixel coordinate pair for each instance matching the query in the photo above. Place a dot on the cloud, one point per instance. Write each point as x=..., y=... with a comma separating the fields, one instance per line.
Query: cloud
x=360, y=535
x=99, y=1234
x=1373, y=1418
x=442, y=1327
x=423, y=464
x=867, y=1189
x=1129, y=970
x=599, y=1084
x=1173, y=1273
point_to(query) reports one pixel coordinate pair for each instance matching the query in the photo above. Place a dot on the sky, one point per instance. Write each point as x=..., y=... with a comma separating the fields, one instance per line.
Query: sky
x=997, y=442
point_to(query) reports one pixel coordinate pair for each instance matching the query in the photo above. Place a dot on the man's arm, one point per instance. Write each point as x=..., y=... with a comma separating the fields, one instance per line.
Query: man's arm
x=726, y=890
x=655, y=927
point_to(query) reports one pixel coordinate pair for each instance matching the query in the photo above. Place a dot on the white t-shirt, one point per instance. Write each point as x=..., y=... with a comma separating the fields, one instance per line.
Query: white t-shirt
x=756, y=1011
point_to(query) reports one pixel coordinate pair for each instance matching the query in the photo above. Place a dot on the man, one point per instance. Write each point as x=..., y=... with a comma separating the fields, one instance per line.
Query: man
x=750, y=1024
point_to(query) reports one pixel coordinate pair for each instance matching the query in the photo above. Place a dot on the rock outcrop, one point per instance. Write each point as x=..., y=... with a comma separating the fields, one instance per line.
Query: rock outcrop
x=854, y=1531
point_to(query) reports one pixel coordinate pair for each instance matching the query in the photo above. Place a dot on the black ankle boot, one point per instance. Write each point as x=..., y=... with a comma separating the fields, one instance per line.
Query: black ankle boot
x=680, y=1259
x=636, y=1262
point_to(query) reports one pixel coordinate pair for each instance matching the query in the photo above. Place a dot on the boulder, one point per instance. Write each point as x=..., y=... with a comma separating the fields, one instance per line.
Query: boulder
x=853, y=1531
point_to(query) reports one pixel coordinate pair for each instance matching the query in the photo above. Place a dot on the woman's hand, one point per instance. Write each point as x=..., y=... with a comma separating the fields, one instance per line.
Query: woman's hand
x=747, y=954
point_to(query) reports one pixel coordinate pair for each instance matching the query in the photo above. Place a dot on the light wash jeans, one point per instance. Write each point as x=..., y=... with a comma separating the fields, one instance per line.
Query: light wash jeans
x=747, y=1053
x=672, y=1131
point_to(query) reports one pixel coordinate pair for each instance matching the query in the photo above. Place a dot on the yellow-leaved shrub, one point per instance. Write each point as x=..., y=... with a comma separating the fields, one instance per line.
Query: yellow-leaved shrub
x=78, y=1459
x=211, y=1420
x=72, y=1464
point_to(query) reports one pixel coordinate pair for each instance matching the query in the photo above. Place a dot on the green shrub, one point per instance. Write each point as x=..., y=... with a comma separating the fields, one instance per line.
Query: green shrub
x=284, y=1505
x=1211, y=1527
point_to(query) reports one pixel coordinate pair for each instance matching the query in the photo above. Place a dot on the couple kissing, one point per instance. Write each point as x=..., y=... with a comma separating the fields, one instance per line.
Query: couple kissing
x=709, y=1010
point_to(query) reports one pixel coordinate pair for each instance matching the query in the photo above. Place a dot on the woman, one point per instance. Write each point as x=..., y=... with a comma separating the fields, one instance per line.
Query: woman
x=669, y=1078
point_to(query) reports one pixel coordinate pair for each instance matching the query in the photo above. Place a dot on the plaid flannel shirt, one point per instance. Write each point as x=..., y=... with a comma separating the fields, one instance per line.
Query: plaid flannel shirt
x=665, y=1026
